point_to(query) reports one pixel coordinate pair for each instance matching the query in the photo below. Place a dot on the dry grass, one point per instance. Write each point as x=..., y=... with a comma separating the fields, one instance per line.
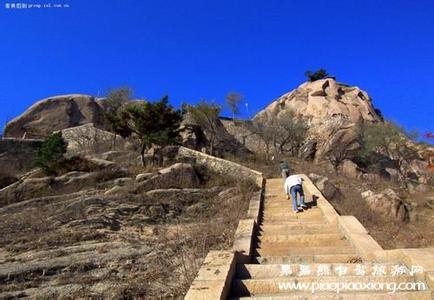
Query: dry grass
x=179, y=243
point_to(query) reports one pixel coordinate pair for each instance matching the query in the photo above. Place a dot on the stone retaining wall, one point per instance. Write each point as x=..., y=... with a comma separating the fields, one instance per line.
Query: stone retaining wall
x=213, y=280
x=215, y=275
x=221, y=166
x=367, y=247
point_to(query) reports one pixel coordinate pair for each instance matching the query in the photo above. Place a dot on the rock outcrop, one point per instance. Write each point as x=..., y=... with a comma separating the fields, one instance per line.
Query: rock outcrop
x=197, y=138
x=331, y=110
x=388, y=203
x=328, y=189
x=56, y=113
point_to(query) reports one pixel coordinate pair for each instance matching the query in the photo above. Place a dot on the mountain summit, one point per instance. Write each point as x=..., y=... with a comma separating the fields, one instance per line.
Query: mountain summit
x=320, y=100
x=331, y=111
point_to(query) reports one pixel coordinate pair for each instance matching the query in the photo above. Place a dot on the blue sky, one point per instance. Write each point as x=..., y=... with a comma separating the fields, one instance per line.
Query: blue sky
x=203, y=49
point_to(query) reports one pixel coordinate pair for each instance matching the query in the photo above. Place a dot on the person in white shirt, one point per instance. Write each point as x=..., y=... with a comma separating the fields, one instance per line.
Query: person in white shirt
x=293, y=186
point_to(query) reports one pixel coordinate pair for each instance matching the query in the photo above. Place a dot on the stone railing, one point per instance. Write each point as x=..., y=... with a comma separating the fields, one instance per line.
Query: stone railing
x=213, y=280
x=366, y=246
x=221, y=166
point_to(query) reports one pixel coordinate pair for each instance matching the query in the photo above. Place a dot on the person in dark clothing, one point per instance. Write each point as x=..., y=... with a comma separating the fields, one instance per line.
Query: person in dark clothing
x=284, y=169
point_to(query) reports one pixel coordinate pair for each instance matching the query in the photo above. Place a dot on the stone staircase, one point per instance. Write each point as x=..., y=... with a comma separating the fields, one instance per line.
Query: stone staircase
x=305, y=248
x=281, y=255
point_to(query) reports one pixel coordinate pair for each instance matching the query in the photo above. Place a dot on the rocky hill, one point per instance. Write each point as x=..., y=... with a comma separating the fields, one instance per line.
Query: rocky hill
x=56, y=113
x=115, y=229
x=320, y=100
x=331, y=110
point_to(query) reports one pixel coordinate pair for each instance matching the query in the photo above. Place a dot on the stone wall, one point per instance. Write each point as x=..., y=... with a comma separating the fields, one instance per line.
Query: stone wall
x=221, y=166
x=214, y=278
x=17, y=155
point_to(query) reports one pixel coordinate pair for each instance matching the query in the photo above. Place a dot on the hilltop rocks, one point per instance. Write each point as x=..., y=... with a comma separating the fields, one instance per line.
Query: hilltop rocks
x=56, y=113
x=331, y=110
x=319, y=100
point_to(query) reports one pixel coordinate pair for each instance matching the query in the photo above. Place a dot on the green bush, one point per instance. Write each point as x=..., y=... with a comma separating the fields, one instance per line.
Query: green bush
x=50, y=155
x=313, y=76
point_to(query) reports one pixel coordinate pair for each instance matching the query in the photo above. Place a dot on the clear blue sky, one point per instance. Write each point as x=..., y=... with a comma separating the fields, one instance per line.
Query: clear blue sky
x=203, y=49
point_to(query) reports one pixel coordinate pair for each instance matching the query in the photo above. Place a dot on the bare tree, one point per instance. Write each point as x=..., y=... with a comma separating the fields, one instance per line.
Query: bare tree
x=206, y=116
x=291, y=132
x=265, y=127
x=115, y=100
x=233, y=100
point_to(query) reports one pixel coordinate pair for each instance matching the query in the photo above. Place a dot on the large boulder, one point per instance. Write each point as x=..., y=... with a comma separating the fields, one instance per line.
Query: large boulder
x=56, y=113
x=349, y=169
x=388, y=203
x=331, y=110
x=328, y=189
x=319, y=100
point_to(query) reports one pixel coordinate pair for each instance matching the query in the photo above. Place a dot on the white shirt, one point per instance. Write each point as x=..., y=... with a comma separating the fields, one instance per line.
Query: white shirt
x=291, y=181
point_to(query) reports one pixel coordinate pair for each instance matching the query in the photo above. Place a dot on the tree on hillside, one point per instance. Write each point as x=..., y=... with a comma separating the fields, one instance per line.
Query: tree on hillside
x=155, y=123
x=381, y=140
x=291, y=132
x=233, y=100
x=266, y=129
x=206, y=115
x=115, y=100
x=317, y=75
x=50, y=155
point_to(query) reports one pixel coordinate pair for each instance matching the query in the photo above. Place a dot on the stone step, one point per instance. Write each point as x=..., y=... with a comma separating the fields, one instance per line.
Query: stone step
x=246, y=287
x=290, y=214
x=294, y=222
x=308, y=259
x=293, y=217
x=308, y=239
x=284, y=204
x=287, y=212
x=271, y=232
x=296, y=229
x=319, y=225
x=288, y=245
x=270, y=251
x=257, y=271
x=412, y=295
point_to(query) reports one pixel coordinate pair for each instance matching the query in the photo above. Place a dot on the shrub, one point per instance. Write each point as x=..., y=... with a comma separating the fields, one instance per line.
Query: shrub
x=154, y=123
x=50, y=156
x=382, y=143
x=313, y=76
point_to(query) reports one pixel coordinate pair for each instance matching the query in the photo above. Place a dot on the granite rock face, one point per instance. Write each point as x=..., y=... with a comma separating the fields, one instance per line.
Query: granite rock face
x=56, y=113
x=388, y=203
x=331, y=110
